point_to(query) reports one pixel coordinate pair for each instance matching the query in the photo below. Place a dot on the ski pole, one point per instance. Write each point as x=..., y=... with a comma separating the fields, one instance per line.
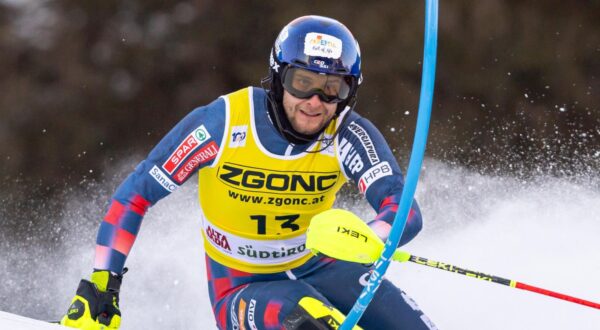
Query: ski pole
x=342, y=235
x=402, y=256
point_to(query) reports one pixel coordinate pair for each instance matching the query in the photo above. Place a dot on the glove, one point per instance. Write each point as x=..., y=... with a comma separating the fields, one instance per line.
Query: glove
x=96, y=303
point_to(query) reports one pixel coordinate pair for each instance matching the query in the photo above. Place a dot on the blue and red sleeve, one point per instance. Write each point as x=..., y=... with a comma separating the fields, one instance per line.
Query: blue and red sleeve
x=118, y=231
x=368, y=161
x=192, y=144
x=382, y=223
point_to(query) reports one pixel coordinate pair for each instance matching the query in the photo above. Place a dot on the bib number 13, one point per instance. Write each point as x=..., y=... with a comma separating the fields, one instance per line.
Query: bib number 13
x=287, y=222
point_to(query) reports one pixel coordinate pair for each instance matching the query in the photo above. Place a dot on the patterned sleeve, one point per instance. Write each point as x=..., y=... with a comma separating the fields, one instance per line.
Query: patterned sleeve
x=192, y=144
x=368, y=161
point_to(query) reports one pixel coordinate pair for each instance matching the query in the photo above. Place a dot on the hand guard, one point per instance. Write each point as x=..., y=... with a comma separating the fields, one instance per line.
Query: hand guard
x=96, y=303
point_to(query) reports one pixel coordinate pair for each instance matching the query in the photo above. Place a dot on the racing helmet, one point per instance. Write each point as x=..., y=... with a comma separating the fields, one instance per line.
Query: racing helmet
x=318, y=44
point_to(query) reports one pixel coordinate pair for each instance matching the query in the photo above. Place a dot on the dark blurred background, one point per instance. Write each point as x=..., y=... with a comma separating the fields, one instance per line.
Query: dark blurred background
x=85, y=84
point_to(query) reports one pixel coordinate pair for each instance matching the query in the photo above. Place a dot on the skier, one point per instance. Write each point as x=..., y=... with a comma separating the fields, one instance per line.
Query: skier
x=268, y=159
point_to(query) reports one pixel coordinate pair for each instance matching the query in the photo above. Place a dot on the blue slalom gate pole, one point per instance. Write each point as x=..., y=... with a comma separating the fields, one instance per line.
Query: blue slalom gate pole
x=414, y=166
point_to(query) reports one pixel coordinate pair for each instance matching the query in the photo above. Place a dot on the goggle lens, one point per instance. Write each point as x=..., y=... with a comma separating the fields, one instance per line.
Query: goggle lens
x=303, y=84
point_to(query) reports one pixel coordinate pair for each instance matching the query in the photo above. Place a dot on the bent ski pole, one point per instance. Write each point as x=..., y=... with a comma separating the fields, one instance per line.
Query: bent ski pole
x=403, y=256
x=342, y=235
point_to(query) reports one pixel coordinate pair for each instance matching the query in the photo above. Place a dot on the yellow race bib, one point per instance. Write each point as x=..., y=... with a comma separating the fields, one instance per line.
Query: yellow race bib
x=257, y=205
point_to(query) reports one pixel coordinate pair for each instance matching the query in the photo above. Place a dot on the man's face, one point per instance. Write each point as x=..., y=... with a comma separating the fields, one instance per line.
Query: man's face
x=307, y=116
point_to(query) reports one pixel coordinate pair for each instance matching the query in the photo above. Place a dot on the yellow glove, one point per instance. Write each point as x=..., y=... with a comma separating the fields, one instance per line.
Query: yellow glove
x=311, y=313
x=96, y=303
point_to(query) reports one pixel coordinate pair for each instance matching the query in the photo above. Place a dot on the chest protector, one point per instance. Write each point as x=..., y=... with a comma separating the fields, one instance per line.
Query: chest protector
x=257, y=205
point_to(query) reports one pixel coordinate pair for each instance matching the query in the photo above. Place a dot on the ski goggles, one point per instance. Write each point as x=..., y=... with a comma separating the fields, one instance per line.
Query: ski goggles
x=303, y=84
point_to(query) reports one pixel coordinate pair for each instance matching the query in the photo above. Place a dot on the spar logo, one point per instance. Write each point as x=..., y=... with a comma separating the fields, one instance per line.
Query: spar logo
x=189, y=144
x=280, y=182
x=203, y=155
x=218, y=239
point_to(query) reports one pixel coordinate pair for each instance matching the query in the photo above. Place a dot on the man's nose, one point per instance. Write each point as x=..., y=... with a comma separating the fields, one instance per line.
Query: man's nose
x=315, y=100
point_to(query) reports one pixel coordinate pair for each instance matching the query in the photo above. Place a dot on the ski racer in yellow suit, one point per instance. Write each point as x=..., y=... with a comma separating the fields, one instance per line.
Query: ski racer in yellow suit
x=268, y=160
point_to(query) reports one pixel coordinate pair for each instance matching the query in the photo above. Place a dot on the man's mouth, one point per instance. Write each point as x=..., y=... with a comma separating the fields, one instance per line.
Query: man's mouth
x=309, y=114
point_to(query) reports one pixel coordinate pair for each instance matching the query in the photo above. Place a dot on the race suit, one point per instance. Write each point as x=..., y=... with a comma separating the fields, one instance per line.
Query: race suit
x=258, y=193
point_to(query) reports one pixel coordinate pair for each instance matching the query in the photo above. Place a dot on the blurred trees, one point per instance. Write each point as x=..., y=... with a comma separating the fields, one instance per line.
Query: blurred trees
x=85, y=83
